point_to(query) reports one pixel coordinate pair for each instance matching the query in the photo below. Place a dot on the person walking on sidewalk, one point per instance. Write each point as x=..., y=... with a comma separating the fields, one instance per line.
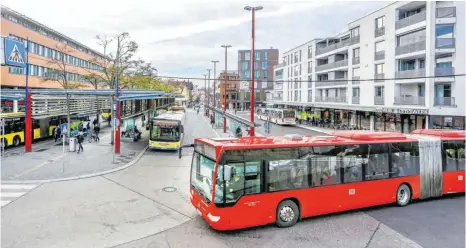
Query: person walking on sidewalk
x=96, y=132
x=80, y=138
x=212, y=120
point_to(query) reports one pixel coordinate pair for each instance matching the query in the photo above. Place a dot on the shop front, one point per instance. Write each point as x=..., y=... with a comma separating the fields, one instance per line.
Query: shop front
x=400, y=120
x=447, y=122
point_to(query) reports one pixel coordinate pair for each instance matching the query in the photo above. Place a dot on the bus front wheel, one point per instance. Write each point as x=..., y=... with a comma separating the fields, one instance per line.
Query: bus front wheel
x=403, y=195
x=287, y=213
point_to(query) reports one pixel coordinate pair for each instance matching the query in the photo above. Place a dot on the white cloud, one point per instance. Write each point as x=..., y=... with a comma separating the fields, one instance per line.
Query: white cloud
x=182, y=37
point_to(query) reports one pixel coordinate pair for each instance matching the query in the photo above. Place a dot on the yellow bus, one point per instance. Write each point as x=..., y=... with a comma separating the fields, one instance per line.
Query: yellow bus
x=105, y=113
x=166, y=131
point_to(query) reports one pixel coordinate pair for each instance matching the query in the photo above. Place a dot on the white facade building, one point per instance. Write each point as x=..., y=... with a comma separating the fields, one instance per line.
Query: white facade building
x=397, y=69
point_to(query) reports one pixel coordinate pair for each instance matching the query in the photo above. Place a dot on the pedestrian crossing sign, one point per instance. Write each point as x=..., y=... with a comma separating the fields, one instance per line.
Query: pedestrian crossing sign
x=15, y=53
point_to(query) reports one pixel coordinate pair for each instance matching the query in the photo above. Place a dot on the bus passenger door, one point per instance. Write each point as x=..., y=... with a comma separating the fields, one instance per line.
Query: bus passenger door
x=245, y=188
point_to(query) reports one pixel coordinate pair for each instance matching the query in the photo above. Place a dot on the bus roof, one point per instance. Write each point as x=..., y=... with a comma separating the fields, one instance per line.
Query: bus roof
x=336, y=138
x=442, y=133
x=170, y=116
x=12, y=115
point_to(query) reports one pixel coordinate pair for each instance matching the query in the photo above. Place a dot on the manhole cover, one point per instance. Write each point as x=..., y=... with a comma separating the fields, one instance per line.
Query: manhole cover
x=169, y=189
x=41, y=150
x=13, y=154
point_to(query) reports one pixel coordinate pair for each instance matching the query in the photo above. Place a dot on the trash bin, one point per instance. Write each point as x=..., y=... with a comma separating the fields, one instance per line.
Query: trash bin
x=72, y=144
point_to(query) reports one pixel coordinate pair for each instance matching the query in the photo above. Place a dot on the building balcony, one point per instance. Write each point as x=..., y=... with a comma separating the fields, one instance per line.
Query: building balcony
x=410, y=100
x=444, y=43
x=341, y=44
x=411, y=48
x=379, y=55
x=333, y=65
x=446, y=12
x=379, y=31
x=379, y=76
x=410, y=20
x=379, y=100
x=410, y=74
x=356, y=61
x=336, y=82
x=282, y=64
x=356, y=80
x=355, y=100
x=336, y=99
x=444, y=71
x=444, y=101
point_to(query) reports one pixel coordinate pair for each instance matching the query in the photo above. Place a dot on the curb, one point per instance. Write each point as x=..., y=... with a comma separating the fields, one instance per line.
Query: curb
x=135, y=160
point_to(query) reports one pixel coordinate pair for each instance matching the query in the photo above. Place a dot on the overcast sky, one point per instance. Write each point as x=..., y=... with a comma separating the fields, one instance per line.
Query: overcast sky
x=182, y=37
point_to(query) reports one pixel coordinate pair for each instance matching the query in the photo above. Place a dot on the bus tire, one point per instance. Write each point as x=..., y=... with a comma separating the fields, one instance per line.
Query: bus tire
x=403, y=195
x=16, y=141
x=287, y=213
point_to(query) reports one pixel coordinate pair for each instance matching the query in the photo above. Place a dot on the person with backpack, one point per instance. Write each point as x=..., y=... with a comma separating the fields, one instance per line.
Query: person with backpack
x=80, y=138
x=96, y=132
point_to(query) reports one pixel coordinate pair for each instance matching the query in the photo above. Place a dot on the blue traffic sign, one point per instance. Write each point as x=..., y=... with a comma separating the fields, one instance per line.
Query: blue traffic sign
x=15, y=53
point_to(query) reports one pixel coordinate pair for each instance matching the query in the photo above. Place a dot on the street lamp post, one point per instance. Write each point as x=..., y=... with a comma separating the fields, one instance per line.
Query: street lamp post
x=225, y=76
x=205, y=93
x=253, y=11
x=215, y=82
x=208, y=91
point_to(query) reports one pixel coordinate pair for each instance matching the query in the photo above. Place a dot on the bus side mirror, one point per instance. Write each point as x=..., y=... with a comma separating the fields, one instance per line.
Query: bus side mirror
x=226, y=173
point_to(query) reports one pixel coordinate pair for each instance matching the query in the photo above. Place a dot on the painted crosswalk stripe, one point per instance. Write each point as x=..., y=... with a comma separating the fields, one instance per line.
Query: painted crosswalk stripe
x=18, y=186
x=12, y=194
x=3, y=203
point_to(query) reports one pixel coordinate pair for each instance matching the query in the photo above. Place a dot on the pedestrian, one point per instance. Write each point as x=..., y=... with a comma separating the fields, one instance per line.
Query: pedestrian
x=95, y=122
x=212, y=120
x=80, y=138
x=56, y=133
x=97, y=131
x=88, y=129
x=109, y=119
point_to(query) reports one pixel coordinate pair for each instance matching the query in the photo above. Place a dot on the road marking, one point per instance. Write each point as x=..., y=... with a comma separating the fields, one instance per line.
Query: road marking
x=17, y=186
x=12, y=194
x=37, y=167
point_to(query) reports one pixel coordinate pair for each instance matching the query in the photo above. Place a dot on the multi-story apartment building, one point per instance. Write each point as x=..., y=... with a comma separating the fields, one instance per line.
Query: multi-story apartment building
x=397, y=69
x=45, y=45
x=228, y=90
x=264, y=62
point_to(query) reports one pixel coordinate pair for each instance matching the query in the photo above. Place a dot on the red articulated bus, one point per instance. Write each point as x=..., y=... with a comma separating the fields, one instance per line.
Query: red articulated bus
x=252, y=181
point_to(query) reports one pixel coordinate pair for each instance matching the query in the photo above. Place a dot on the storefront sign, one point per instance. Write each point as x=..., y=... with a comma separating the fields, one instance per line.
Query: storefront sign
x=404, y=111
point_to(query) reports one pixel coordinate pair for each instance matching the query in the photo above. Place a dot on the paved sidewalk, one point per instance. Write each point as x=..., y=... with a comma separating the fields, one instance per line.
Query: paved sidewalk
x=50, y=163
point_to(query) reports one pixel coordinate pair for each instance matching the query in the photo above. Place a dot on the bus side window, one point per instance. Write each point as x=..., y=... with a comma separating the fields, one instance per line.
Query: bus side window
x=376, y=161
x=405, y=159
x=287, y=174
x=325, y=166
x=453, y=155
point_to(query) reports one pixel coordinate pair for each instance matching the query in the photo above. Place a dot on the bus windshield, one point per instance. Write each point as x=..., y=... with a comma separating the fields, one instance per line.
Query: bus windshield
x=202, y=170
x=288, y=114
x=165, y=133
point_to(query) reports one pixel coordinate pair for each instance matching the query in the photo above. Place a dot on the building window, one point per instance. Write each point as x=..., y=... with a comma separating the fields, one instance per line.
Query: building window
x=247, y=56
x=355, y=92
x=444, y=31
x=264, y=65
x=247, y=74
x=309, y=95
x=379, y=68
x=245, y=65
x=420, y=90
x=16, y=70
x=379, y=91
x=257, y=74
x=355, y=32
x=266, y=55
x=380, y=46
x=309, y=67
x=380, y=22
x=266, y=74
x=442, y=90
x=356, y=52
x=300, y=55
x=411, y=37
x=309, y=52
x=257, y=56
x=355, y=72
x=256, y=65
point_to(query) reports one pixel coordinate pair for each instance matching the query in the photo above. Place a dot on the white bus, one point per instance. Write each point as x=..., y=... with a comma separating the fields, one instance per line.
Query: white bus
x=277, y=116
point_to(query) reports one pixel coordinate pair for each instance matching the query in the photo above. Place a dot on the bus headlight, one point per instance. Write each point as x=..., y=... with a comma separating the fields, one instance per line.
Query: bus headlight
x=213, y=218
